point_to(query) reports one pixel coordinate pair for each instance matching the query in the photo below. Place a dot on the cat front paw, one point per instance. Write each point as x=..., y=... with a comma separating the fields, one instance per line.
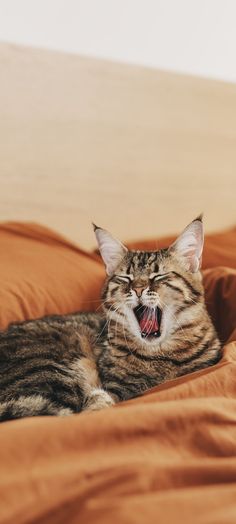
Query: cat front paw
x=98, y=399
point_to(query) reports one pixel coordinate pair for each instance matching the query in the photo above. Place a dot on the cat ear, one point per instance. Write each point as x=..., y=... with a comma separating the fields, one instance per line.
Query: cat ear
x=189, y=245
x=111, y=249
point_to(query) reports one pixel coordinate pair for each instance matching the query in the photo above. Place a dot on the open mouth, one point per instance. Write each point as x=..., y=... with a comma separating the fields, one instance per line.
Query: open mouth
x=149, y=320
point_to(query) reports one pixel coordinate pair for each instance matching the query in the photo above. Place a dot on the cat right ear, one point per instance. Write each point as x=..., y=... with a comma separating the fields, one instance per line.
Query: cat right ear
x=111, y=249
x=189, y=245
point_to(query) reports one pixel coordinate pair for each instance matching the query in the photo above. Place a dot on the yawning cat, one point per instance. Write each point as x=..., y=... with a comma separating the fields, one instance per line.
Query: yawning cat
x=154, y=327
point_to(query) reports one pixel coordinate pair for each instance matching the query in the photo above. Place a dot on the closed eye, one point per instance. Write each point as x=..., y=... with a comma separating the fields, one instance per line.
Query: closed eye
x=155, y=278
x=124, y=278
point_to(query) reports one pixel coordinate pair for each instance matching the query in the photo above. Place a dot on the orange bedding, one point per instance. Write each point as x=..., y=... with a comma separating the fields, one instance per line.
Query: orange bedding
x=168, y=456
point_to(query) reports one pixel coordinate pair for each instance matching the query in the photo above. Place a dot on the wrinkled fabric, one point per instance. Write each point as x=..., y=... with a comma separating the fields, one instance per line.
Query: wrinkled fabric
x=167, y=456
x=42, y=273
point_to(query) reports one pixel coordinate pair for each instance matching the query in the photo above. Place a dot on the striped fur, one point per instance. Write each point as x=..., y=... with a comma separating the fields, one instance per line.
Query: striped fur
x=61, y=365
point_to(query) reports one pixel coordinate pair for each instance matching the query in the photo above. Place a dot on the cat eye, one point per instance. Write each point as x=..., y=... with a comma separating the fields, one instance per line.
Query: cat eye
x=156, y=277
x=124, y=278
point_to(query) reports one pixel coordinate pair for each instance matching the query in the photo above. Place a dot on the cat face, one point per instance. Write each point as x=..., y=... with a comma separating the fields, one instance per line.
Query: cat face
x=148, y=292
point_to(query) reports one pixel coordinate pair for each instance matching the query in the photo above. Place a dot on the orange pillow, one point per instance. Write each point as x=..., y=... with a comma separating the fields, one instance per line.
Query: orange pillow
x=220, y=293
x=42, y=273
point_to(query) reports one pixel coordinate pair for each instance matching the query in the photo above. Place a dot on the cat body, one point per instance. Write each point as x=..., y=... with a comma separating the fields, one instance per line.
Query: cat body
x=154, y=327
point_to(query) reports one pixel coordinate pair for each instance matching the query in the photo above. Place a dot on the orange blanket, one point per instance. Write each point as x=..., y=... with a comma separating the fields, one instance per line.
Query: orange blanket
x=168, y=456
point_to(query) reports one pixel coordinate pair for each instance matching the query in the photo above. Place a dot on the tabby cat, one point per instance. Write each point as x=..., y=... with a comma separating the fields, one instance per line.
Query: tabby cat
x=154, y=327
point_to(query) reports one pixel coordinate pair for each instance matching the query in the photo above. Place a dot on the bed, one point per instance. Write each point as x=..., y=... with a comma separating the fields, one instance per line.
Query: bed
x=141, y=152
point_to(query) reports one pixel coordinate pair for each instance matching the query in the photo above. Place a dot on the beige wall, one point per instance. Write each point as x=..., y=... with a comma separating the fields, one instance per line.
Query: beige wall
x=138, y=151
x=192, y=36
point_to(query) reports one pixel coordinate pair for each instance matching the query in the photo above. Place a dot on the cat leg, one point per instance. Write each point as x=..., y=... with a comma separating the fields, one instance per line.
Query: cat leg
x=95, y=397
x=98, y=399
x=31, y=406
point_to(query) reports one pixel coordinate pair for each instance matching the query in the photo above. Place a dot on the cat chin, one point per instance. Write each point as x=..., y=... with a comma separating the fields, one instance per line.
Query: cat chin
x=152, y=342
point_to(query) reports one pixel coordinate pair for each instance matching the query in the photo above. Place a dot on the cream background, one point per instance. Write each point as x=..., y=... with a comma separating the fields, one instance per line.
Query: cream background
x=139, y=151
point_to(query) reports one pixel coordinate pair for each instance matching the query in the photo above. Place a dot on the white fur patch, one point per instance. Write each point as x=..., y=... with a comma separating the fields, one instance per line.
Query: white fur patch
x=98, y=399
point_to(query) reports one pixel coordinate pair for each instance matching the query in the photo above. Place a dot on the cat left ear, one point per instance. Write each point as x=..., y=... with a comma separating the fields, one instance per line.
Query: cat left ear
x=111, y=249
x=189, y=245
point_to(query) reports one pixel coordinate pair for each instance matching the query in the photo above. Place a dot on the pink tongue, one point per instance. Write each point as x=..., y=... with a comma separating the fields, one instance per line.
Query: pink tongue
x=148, y=322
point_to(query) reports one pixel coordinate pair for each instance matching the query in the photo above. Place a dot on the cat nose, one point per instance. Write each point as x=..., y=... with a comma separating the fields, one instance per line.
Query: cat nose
x=138, y=290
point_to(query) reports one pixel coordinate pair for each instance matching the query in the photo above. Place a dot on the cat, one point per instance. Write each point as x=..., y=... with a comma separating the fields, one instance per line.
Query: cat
x=154, y=327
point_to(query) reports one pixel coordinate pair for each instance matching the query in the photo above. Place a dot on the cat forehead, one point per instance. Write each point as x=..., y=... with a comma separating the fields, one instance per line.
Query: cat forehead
x=145, y=260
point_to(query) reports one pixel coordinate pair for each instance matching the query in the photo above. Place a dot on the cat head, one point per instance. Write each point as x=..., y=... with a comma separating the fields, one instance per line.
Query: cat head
x=149, y=290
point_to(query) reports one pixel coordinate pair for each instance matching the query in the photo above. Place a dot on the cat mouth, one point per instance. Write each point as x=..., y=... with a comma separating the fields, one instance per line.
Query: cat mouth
x=149, y=320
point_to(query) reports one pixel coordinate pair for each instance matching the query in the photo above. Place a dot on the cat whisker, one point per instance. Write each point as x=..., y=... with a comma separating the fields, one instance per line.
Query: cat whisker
x=105, y=325
x=175, y=318
x=129, y=348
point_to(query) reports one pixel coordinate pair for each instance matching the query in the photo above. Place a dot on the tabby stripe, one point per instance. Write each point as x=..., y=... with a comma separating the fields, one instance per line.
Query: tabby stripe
x=33, y=379
x=7, y=415
x=187, y=303
x=207, y=363
x=51, y=388
x=109, y=307
x=28, y=370
x=40, y=359
x=171, y=286
x=193, y=340
x=10, y=412
x=113, y=291
x=187, y=326
x=113, y=380
x=177, y=362
x=23, y=354
x=196, y=355
x=113, y=390
x=142, y=260
x=147, y=358
x=121, y=348
x=138, y=376
x=65, y=401
x=187, y=283
x=128, y=269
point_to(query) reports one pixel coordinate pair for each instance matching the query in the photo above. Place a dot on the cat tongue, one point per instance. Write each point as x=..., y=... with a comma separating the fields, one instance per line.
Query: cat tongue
x=148, y=321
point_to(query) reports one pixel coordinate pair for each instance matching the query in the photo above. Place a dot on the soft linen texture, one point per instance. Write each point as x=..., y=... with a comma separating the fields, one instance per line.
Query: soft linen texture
x=168, y=456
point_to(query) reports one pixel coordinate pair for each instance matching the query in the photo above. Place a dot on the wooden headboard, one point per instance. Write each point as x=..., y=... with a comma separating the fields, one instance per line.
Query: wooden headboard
x=141, y=152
